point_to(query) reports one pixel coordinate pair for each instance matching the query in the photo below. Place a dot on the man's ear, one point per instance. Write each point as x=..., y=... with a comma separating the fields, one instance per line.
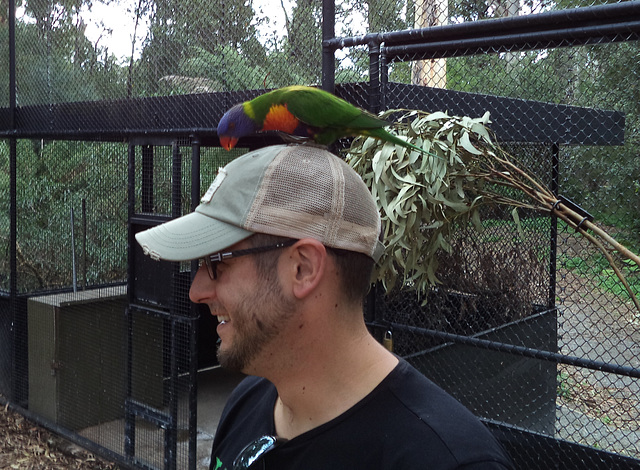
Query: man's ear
x=307, y=267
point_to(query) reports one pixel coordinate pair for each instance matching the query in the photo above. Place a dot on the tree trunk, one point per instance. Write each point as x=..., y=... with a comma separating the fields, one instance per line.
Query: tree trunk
x=430, y=72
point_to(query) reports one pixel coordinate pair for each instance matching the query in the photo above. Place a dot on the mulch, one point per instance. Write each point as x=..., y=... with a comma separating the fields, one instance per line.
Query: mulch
x=26, y=446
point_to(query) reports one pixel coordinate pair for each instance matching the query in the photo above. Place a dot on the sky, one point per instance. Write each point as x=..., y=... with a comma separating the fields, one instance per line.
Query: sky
x=112, y=25
x=122, y=25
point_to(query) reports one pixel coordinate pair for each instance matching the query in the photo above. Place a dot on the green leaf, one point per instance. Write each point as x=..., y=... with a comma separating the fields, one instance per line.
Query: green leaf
x=437, y=115
x=516, y=219
x=467, y=145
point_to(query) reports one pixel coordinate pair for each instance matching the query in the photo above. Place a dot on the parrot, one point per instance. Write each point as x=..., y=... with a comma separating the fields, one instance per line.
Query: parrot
x=305, y=112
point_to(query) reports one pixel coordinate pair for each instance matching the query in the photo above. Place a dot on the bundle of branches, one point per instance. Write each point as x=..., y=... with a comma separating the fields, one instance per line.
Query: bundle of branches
x=423, y=197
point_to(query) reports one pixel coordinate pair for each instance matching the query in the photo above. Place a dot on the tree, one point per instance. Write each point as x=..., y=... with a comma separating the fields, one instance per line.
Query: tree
x=180, y=32
x=430, y=72
x=303, y=44
x=55, y=61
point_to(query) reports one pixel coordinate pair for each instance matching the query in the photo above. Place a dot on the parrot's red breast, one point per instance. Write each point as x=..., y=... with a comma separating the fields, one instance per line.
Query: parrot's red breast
x=280, y=119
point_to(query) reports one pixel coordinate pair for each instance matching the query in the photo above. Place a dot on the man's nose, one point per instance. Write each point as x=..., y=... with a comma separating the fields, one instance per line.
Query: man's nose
x=202, y=288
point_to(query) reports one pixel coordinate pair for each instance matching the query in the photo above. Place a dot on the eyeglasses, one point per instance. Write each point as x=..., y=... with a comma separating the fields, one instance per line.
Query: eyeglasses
x=211, y=261
x=255, y=451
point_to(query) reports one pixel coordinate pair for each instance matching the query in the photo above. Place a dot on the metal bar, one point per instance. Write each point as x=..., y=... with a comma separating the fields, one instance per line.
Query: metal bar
x=146, y=182
x=374, y=77
x=12, y=65
x=131, y=206
x=74, y=274
x=176, y=184
x=195, y=172
x=129, y=418
x=553, y=249
x=515, y=41
x=176, y=210
x=135, y=409
x=519, y=350
x=102, y=135
x=328, y=53
x=84, y=243
x=196, y=191
x=384, y=80
x=560, y=19
x=193, y=393
x=194, y=325
x=13, y=267
x=129, y=421
x=148, y=413
x=13, y=264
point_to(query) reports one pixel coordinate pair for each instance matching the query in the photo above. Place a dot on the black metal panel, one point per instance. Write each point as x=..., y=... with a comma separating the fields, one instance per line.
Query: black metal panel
x=532, y=450
x=507, y=375
x=152, y=279
x=120, y=119
x=513, y=119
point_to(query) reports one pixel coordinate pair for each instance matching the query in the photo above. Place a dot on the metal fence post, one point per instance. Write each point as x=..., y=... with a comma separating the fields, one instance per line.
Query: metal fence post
x=328, y=52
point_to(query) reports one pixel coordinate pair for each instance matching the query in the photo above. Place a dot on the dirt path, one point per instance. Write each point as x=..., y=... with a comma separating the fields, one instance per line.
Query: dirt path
x=597, y=408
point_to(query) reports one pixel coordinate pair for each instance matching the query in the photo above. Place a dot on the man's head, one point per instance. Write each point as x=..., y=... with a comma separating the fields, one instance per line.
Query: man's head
x=298, y=200
x=289, y=191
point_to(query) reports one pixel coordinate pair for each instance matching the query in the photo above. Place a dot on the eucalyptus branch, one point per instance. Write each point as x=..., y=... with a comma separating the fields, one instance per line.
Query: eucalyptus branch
x=420, y=196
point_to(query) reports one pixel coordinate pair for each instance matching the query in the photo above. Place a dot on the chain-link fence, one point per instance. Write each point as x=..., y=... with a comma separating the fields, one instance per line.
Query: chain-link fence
x=108, y=127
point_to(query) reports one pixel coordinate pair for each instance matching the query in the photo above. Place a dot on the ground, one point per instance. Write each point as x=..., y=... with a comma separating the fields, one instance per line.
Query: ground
x=27, y=446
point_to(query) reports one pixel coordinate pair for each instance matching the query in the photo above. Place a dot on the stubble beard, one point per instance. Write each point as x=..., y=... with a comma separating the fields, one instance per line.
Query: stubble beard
x=257, y=320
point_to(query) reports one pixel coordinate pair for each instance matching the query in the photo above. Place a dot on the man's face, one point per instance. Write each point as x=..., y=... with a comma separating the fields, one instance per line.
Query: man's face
x=251, y=310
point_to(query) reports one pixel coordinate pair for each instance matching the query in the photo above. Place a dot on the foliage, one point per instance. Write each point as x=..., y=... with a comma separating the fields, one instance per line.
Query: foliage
x=303, y=45
x=225, y=66
x=53, y=179
x=180, y=31
x=422, y=196
x=58, y=65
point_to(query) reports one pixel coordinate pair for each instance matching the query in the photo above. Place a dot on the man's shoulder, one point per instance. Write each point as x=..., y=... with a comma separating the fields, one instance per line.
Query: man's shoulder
x=422, y=397
x=424, y=412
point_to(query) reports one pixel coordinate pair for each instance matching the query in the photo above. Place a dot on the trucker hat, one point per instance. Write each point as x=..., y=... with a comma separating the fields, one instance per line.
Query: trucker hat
x=294, y=191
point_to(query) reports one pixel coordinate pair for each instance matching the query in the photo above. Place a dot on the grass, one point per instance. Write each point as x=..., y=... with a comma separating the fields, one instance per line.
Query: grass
x=564, y=385
x=597, y=267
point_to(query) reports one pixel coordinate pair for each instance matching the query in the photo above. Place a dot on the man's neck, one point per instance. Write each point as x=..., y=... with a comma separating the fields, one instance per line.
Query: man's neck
x=326, y=385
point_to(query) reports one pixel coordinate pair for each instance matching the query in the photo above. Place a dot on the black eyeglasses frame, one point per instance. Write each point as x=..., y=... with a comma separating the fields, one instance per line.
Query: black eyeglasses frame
x=211, y=261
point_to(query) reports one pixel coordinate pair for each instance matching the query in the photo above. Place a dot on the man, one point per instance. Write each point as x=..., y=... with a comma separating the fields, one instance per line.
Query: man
x=289, y=237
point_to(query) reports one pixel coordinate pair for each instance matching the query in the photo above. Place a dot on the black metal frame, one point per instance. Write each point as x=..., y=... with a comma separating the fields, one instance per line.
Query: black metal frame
x=160, y=121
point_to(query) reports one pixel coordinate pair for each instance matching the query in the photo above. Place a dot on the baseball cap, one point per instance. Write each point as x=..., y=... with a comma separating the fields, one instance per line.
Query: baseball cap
x=294, y=191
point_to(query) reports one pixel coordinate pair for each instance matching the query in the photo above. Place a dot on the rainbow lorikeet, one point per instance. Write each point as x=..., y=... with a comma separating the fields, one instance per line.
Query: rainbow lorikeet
x=304, y=112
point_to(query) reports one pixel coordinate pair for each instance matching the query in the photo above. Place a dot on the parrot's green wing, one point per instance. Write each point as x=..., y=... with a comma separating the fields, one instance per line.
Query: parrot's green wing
x=326, y=116
x=321, y=109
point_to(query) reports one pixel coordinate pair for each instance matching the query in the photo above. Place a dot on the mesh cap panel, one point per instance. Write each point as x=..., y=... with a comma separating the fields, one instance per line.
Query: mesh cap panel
x=307, y=192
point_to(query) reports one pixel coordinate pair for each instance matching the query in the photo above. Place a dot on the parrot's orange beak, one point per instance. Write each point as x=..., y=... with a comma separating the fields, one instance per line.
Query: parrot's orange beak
x=228, y=142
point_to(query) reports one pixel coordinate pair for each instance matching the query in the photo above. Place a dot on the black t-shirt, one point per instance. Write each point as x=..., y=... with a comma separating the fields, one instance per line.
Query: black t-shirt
x=406, y=422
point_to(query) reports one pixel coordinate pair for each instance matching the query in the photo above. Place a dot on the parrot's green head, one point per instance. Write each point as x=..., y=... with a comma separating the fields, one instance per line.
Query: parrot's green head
x=235, y=124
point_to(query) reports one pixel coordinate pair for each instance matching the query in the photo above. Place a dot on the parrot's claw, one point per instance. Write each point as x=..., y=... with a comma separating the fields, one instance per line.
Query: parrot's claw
x=298, y=139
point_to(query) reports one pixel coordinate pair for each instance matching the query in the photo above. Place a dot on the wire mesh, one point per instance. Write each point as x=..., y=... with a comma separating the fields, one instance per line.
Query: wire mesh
x=596, y=320
x=163, y=66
